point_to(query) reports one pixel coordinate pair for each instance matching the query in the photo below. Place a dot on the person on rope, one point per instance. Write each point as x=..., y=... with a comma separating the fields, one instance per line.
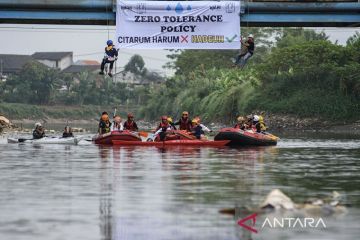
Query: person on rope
x=39, y=131
x=104, y=124
x=117, y=124
x=198, y=129
x=247, y=50
x=184, y=122
x=67, y=132
x=110, y=57
x=130, y=124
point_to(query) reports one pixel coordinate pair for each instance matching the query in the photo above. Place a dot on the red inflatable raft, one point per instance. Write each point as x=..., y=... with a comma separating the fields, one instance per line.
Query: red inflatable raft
x=239, y=137
x=125, y=135
x=174, y=143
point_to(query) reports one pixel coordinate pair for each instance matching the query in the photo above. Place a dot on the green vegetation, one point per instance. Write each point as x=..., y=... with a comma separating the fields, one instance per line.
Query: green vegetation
x=38, y=85
x=300, y=73
x=293, y=71
x=87, y=112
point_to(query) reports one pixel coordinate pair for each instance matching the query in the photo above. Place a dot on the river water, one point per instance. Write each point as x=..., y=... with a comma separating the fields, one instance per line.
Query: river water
x=92, y=192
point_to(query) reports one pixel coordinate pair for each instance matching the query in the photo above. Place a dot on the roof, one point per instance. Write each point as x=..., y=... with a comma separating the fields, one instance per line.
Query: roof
x=51, y=55
x=87, y=62
x=12, y=63
x=81, y=68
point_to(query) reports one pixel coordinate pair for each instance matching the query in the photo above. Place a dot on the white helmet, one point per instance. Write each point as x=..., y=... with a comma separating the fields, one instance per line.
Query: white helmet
x=251, y=36
x=256, y=118
x=37, y=125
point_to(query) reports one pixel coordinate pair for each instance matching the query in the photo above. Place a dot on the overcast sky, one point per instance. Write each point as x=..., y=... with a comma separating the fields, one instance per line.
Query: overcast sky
x=88, y=42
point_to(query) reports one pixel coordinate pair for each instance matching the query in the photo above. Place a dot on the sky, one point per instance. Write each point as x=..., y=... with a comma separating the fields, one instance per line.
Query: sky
x=88, y=42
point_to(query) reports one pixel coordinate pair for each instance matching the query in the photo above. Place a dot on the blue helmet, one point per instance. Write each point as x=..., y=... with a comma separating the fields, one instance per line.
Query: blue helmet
x=109, y=42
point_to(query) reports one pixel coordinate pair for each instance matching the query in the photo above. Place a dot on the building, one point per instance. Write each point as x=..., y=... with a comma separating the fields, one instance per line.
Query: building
x=81, y=68
x=12, y=63
x=137, y=80
x=59, y=60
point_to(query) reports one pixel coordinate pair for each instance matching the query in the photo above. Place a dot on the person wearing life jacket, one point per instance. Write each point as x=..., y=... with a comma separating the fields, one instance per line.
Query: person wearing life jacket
x=39, y=131
x=249, y=121
x=198, y=129
x=256, y=123
x=171, y=123
x=184, y=122
x=104, y=124
x=261, y=125
x=67, y=132
x=247, y=50
x=110, y=57
x=163, y=127
x=241, y=123
x=130, y=124
x=117, y=124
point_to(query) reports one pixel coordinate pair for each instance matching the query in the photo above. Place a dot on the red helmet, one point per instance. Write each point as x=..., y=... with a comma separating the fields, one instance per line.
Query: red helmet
x=164, y=118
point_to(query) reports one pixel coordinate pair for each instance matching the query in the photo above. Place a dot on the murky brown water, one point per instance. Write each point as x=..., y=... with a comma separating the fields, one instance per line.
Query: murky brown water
x=92, y=192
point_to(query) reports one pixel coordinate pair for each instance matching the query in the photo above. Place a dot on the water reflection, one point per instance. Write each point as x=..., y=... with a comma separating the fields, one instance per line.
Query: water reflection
x=95, y=192
x=106, y=193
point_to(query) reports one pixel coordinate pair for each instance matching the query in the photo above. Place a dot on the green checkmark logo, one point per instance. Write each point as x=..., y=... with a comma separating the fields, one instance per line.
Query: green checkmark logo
x=231, y=39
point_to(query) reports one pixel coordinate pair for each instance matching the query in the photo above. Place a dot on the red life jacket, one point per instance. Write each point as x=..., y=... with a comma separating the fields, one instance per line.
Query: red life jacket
x=163, y=126
x=129, y=125
x=185, y=124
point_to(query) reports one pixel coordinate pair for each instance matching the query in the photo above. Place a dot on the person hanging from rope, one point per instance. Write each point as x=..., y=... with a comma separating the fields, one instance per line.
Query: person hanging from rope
x=110, y=57
x=247, y=50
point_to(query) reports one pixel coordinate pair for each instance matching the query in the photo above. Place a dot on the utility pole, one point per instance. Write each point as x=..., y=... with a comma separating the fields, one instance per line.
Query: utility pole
x=1, y=69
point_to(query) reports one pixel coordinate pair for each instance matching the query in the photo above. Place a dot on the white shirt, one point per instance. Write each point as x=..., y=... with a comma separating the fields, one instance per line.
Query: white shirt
x=114, y=128
x=204, y=128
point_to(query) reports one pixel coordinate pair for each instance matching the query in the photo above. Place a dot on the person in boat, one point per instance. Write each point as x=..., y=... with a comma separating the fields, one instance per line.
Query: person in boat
x=261, y=125
x=249, y=121
x=110, y=57
x=163, y=128
x=67, y=132
x=117, y=124
x=170, y=120
x=39, y=131
x=184, y=122
x=247, y=50
x=198, y=129
x=104, y=124
x=241, y=123
x=130, y=124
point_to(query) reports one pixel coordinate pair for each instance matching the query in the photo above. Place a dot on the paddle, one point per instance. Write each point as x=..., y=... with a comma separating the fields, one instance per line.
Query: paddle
x=20, y=140
x=184, y=135
x=143, y=134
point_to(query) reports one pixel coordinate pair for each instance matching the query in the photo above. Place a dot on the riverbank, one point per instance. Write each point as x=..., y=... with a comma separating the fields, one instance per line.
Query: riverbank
x=24, y=116
x=293, y=123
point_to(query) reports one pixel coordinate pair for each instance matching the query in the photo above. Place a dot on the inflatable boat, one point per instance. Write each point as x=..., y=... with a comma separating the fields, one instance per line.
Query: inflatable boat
x=238, y=137
x=125, y=135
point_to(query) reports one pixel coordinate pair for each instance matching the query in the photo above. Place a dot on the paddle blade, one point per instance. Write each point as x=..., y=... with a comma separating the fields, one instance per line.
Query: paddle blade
x=143, y=134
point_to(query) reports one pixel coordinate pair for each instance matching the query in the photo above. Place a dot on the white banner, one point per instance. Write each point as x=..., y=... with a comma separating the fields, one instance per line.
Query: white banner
x=178, y=24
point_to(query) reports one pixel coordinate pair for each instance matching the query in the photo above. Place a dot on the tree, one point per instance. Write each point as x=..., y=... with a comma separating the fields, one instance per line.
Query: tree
x=136, y=65
x=186, y=61
x=34, y=84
